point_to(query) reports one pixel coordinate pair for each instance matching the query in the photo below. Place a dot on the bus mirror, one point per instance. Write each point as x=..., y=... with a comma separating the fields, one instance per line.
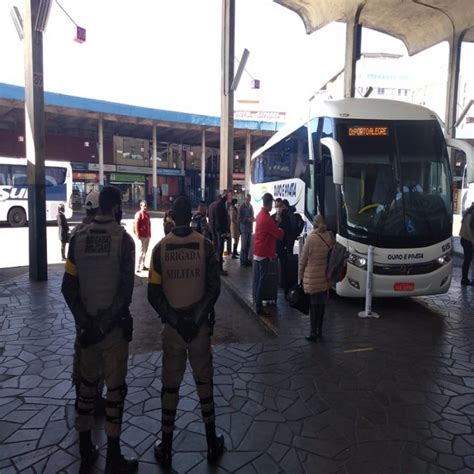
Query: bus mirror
x=337, y=159
x=469, y=151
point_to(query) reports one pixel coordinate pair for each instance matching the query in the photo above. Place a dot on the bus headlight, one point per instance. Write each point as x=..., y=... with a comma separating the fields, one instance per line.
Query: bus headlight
x=357, y=260
x=444, y=259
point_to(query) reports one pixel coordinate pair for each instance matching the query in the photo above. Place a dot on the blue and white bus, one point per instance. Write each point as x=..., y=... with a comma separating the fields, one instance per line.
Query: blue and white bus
x=14, y=190
x=378, y=170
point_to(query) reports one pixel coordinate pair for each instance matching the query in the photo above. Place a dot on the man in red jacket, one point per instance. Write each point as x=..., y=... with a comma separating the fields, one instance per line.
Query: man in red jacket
x=142, y=229
x=267, y=233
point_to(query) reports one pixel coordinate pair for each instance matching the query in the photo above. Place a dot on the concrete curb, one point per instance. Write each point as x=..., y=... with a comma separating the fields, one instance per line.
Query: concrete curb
x=234, y=291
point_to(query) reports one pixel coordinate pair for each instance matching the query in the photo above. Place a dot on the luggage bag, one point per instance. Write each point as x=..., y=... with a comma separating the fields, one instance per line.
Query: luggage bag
x=270, y=284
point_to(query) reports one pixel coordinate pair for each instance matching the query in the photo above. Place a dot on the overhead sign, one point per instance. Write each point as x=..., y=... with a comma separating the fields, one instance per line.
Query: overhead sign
x=134, y=169
x=95, y=167
x=169, y=172
x=126, y=178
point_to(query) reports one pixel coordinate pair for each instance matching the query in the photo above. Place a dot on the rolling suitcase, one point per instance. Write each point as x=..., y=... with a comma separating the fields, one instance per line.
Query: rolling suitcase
x=270, y=284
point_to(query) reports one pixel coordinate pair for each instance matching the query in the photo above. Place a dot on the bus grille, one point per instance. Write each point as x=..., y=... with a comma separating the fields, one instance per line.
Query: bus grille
x=418, y=269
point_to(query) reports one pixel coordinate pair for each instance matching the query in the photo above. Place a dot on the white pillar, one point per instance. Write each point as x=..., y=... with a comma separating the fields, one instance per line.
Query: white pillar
x=369, y=286
x=455, y=45
x=203, y=165
x=101, y=153
x=226, y=158
x=353, y=39
x=154, y=178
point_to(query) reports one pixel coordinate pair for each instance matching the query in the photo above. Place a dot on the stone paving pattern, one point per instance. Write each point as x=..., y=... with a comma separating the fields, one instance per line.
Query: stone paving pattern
x=377, y=396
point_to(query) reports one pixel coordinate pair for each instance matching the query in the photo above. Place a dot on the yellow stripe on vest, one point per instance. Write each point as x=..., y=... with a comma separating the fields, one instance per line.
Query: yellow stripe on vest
x=70, y=268
x=153, y=276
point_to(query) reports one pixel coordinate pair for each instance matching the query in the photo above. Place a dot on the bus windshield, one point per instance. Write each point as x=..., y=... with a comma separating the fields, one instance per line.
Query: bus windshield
x=397, y=185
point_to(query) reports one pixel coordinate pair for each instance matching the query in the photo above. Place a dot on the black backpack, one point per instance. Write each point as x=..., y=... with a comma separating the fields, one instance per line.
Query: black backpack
x=297, y=224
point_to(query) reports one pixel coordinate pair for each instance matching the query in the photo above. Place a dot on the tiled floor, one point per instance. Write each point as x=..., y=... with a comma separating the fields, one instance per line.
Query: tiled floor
x=377, y=396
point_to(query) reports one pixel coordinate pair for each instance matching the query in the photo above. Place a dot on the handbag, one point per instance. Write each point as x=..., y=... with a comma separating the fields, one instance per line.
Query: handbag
x=298, y=299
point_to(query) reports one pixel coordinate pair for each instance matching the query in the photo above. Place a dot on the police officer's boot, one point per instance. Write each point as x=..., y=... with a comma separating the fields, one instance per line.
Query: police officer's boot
x=89, y=452
x=313, y=317
x=163, y=450
x=215, y=443
x=116, y=462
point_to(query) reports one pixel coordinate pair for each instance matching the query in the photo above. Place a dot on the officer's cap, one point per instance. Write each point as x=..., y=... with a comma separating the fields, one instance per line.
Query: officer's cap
x=92, y=201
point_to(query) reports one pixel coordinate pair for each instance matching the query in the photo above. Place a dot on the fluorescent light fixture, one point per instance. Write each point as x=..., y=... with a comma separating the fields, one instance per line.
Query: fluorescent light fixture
x=43, y=15
x=17, y=21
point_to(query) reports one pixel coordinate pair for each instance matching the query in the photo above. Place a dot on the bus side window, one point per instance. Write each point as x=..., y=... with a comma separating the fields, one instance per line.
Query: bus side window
x=18, y=175
x=19, y=180
x=4, y=175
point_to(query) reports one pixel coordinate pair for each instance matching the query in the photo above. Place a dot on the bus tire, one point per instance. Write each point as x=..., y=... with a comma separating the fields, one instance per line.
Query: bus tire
x=17, y=217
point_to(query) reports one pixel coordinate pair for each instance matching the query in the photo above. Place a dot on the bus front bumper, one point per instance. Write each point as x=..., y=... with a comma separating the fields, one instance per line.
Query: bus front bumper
x=433, y=283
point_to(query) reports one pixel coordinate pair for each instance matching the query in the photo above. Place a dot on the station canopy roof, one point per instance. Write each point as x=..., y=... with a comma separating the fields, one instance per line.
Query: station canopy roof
x=78, y=116
x=420, y=24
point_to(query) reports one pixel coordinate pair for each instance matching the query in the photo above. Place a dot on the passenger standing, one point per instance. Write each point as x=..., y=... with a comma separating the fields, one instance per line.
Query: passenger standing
x=98, y=286
x=246, y=220
x=168, y=222
x=234, y=227
x=296, y=226
x=284, y=245
x=312, y=272
x=467, y=241
x=185, y=259
x=63, y=230
x=219, y=225
x=142, y=229
x=266, y=235
x=199, y=221
x=228, y=240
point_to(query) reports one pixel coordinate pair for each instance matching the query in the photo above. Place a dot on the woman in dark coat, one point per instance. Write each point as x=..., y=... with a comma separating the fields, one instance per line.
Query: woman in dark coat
x=63, y=230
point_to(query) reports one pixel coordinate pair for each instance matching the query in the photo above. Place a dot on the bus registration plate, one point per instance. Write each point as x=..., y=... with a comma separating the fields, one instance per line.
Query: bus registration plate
x=404, y=286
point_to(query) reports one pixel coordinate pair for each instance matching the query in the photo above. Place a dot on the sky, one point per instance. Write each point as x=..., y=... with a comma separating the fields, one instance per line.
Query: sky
x=167, y=54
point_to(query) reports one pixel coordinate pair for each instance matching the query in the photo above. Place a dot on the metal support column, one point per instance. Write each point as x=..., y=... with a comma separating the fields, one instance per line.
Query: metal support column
x=248, y=155
x=154, y=178
x=227, y=95
x=203, y=165
x=34, y=132
x=101, y=153
x=453, y=83
x=353, y=41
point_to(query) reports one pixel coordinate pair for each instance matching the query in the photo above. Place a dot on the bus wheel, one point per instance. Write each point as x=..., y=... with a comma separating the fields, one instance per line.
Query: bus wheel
x=17, y=217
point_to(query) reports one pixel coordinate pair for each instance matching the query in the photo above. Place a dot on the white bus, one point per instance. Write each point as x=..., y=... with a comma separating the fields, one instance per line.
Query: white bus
x=467, y=192
x=14, y=190
x=378, y=170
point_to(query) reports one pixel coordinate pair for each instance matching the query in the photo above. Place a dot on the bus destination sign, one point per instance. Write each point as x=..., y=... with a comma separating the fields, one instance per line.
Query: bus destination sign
x=368, y=131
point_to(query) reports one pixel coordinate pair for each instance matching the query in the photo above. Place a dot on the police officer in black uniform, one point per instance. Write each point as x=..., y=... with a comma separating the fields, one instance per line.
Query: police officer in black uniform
x=97, y=286
x=185, y=259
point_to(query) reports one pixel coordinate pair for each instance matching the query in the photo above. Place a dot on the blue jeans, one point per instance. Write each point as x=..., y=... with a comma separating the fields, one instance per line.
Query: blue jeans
x=245, y=247
x=261, y=271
